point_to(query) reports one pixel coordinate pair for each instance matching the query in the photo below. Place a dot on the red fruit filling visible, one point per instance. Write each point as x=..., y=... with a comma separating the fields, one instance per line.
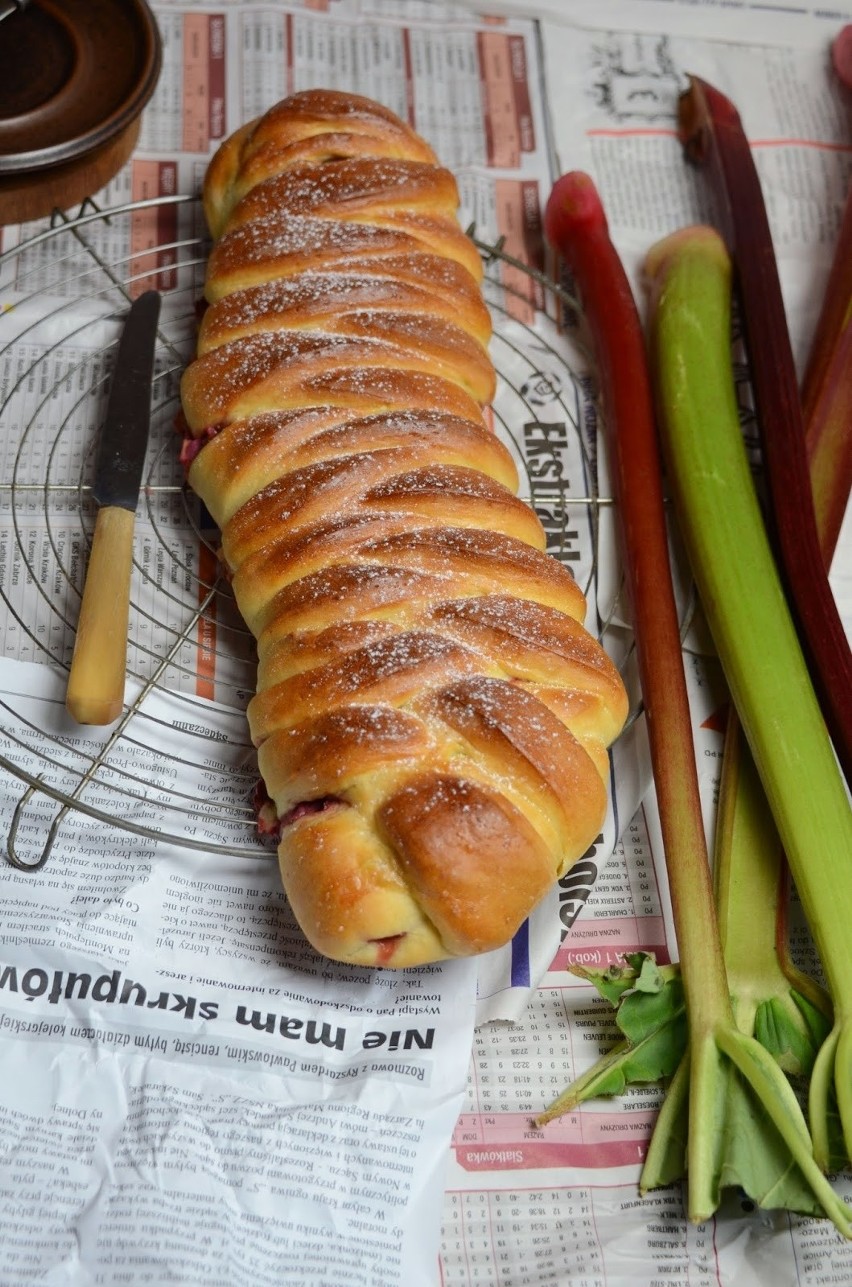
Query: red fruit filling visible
x=190, y=447
x=269, y=825
x=307, y=807
x=386, y=947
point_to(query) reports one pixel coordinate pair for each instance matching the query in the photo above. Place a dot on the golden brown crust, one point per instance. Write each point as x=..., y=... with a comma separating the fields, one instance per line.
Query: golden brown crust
x=350, y=896
x=284, y=246
x=357, y=190
x=376, y=486
x=431, y=716
x=318, y=126
x=477, y=863
x=313, y=299
x=250, y=374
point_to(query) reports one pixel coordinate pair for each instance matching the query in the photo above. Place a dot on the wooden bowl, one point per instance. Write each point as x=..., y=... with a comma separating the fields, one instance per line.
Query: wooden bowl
x=74, y=78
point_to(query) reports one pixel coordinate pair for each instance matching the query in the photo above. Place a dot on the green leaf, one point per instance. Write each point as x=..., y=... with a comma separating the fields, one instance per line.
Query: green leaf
x=655, y=1029
x=745, y=1129
x=640, y=974
x=792, y=1030
x=649, y=976
x=643, y=1013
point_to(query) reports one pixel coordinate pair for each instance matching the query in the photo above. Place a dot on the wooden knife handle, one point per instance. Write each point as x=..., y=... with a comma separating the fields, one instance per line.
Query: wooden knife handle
x=95, y=692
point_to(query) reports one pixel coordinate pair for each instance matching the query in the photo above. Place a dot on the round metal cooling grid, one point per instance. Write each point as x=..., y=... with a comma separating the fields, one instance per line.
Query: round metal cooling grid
x=102, y=285
x=89, y=278
x=532, y=490
x=163, y=465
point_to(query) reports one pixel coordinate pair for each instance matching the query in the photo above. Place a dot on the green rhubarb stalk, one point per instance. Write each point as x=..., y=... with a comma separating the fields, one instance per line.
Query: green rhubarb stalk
x=788, y=1012
x=729, y=1116
x=713, y=136
x=752, y=628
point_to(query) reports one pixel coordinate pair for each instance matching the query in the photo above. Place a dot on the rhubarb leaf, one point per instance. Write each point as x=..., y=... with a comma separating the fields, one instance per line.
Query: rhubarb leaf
x=651, y=1014
x=791, y=1029
x=730, y=1094
x=640, y=974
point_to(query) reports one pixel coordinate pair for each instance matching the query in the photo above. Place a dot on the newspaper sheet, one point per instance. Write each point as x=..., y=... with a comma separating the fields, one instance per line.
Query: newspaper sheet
x=190, y=1095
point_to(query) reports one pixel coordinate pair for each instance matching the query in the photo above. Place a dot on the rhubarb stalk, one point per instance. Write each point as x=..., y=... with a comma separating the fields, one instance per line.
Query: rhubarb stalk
x=827, y=384
x=751, y=625
x=827, y=395
x=841, y=58
x=713, y=135
x=788, y=1012
x=730, y=1116
x=787, y=1009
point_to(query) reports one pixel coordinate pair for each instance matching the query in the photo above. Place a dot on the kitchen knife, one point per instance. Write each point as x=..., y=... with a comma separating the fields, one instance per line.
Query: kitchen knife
x=95, y=693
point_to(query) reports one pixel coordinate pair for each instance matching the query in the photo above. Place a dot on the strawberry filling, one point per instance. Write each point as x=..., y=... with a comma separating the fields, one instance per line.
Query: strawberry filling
x=270, y=825
x=386, y=947
x=191, y=446
x=305, y=808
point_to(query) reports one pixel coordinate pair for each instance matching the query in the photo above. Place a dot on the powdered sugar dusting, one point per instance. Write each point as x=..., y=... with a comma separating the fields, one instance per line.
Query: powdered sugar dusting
x=369, y=539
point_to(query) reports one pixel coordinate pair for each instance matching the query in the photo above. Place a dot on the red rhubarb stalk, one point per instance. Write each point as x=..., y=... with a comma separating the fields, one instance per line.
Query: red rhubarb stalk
x=575, y=225
x=729, y=1116
x=841, y=57
x=827, y=395
x=713, y=135
x=827, y=384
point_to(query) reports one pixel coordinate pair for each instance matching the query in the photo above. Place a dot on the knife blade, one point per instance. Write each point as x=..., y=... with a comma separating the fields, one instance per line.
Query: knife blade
x=95, y=693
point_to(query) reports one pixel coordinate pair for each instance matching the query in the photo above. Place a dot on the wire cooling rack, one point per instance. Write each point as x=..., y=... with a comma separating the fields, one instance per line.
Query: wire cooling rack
x=70, y=285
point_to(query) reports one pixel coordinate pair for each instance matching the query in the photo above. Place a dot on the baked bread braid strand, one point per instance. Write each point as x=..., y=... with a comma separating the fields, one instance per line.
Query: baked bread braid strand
x=431, y=716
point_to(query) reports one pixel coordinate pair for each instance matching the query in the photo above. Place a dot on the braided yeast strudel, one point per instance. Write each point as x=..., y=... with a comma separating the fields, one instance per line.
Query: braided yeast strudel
x=431, y=716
